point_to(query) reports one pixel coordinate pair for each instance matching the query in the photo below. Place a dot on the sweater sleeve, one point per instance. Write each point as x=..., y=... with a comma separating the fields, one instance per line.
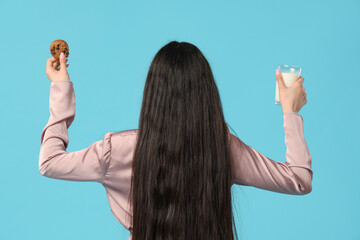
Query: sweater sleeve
x=89, y=164
x=252, y=168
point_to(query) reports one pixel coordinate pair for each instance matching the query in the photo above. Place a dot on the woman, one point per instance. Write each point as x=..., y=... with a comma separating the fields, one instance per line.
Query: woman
x=171, y=178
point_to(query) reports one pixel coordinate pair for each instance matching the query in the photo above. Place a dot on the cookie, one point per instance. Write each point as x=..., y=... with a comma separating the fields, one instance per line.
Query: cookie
x=57, y=47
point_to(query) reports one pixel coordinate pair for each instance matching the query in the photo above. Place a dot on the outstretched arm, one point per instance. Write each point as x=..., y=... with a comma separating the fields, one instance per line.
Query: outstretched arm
x=252, y=168
x=89, y=164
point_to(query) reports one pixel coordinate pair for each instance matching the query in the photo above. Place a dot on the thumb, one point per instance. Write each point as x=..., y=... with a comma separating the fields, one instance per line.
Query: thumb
x=300, y=80
x=279, y=79
x=62, y=62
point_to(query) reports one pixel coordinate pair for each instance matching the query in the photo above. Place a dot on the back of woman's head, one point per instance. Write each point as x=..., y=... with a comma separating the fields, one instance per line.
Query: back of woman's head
x=181, y=185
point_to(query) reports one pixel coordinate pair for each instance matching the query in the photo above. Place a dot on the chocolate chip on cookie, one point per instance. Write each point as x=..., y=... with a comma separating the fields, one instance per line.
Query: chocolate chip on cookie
x=57, y=47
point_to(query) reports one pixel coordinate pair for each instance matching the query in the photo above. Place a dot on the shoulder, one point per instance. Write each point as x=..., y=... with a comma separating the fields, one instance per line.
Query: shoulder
x=122, y=145
x=121, y=137
x=124, y=136
x=235, y=140
x=123, y=140
x=125, y=133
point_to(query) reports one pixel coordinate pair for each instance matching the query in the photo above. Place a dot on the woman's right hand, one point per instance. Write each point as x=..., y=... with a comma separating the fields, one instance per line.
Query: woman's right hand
x=291, y=98
x=54, y=73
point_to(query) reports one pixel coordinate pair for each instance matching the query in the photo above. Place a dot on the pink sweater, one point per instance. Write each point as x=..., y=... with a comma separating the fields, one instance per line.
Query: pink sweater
x=108, y=161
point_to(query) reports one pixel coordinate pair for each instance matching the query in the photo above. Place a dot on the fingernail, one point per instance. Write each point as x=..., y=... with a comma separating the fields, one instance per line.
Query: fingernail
x=277, y=71
x=62, y=55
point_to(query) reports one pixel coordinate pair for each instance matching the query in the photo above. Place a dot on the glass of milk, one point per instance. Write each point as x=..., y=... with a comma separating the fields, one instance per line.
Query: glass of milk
x=290, y=74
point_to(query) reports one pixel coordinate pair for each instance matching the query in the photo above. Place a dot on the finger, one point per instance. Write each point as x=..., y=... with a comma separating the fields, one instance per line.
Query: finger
x=300, y=80
x=279, y=79
x=49, y=63
x=62, y=62
x=52, y=59
x=56, y=64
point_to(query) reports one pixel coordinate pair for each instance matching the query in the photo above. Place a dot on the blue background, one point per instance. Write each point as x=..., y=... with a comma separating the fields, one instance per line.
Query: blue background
x=112, y=44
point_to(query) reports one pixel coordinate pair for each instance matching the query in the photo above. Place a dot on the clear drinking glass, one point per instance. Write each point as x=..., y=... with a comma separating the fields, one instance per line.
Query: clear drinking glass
x=290, y=74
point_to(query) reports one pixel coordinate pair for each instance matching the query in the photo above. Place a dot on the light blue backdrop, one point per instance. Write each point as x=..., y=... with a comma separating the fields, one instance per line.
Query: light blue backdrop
x=112, y=44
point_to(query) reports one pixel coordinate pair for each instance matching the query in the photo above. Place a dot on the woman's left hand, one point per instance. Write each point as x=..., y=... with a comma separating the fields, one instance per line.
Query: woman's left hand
x=54, y=73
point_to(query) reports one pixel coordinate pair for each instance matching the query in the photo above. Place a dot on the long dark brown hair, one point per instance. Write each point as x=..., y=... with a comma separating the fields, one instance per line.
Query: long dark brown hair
x=181, y=182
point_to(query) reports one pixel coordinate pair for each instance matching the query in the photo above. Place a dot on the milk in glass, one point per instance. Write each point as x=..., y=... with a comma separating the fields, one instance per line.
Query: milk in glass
x=289, y=78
